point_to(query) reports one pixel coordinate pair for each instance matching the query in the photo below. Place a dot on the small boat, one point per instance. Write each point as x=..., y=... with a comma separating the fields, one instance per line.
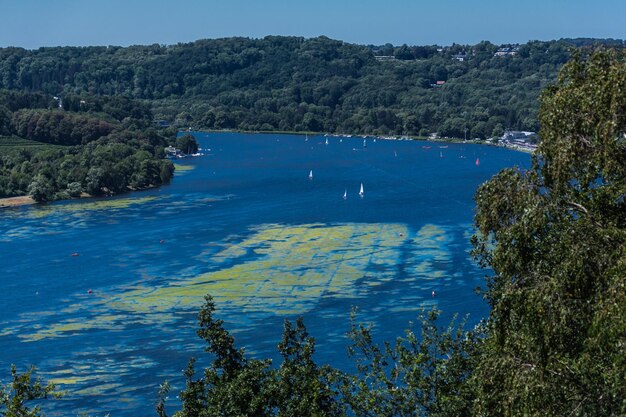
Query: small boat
x=345, y=194
x=361, y=191
x=440, y=154
x=395, y=153
x=74, y=253
x=311, y=174
x=477, y=162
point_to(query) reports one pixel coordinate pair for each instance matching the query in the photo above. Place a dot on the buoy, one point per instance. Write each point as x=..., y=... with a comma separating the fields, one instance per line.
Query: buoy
x=75, y=254
x=90, y=292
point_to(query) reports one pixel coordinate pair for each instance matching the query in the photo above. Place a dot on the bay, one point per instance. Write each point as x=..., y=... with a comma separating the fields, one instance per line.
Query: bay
x=101, y=295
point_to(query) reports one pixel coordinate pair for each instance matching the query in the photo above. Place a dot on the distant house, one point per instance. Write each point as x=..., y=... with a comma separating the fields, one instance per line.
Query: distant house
x=461, y=57
x=161, y=123
x=438, y=84
x=516, y=135
x=507, y=51
x=171, y=151
x=520, y=139
x=384, y=57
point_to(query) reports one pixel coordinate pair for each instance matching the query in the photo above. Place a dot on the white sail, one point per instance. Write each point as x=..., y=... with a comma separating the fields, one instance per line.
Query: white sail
x=361, y=192
x=311, y=174
x=327, y=141
x=345, y=194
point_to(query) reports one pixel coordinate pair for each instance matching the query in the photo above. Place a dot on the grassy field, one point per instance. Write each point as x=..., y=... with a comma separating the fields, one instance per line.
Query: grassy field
x=9, y=144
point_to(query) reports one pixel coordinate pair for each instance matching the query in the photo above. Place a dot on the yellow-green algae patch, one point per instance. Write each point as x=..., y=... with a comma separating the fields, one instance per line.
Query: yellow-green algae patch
x=183, y=168
x=97, y=374
x=291, y=268
x=429, y=248
x=119, y=203
x=277, y=270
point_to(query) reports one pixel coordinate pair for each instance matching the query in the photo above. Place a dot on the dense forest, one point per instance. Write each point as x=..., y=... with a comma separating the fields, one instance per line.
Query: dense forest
x=107, y=148
x=298, y=84
x=554, y=241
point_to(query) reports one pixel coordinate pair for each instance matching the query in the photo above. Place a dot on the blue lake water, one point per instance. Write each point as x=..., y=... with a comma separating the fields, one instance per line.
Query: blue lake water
x=246, y=224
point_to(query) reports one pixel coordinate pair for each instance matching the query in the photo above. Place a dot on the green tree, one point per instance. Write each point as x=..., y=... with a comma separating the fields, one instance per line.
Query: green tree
x=423, y=373
x=555, y=238
x=22, y=389
x=41, y=188
x=95, y=180
x=234, y=385
x=187, y=143
x=5, y=120
x=303, y=388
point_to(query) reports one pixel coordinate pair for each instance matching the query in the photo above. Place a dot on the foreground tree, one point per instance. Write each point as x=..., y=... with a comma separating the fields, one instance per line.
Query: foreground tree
x=424, y=373
x=302, y=387
x=234, y=385
x=555, y=237
x=24, y=388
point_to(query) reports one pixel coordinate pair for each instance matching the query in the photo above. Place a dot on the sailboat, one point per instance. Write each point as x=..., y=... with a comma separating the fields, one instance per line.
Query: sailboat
x=326, y=141
x=477, y=162
x=311, y=174
x=306, y=138
x=365, y=143
x=345, y=194
x=361, y=191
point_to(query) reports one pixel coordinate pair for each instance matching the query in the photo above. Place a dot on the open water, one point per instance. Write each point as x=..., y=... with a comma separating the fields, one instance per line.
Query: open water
x=101, y=295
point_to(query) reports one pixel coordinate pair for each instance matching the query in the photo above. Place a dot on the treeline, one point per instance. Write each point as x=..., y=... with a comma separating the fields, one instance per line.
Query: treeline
x=298, y=84
x=59, y=127
x=106, y=147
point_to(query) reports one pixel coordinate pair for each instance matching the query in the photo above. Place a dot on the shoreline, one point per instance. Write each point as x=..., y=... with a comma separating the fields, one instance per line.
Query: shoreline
x=20, y=201
x=381, y=137
x=8, y=202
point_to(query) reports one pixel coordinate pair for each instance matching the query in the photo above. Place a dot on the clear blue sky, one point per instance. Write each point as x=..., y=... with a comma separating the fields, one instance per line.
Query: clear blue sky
x=35, y=23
